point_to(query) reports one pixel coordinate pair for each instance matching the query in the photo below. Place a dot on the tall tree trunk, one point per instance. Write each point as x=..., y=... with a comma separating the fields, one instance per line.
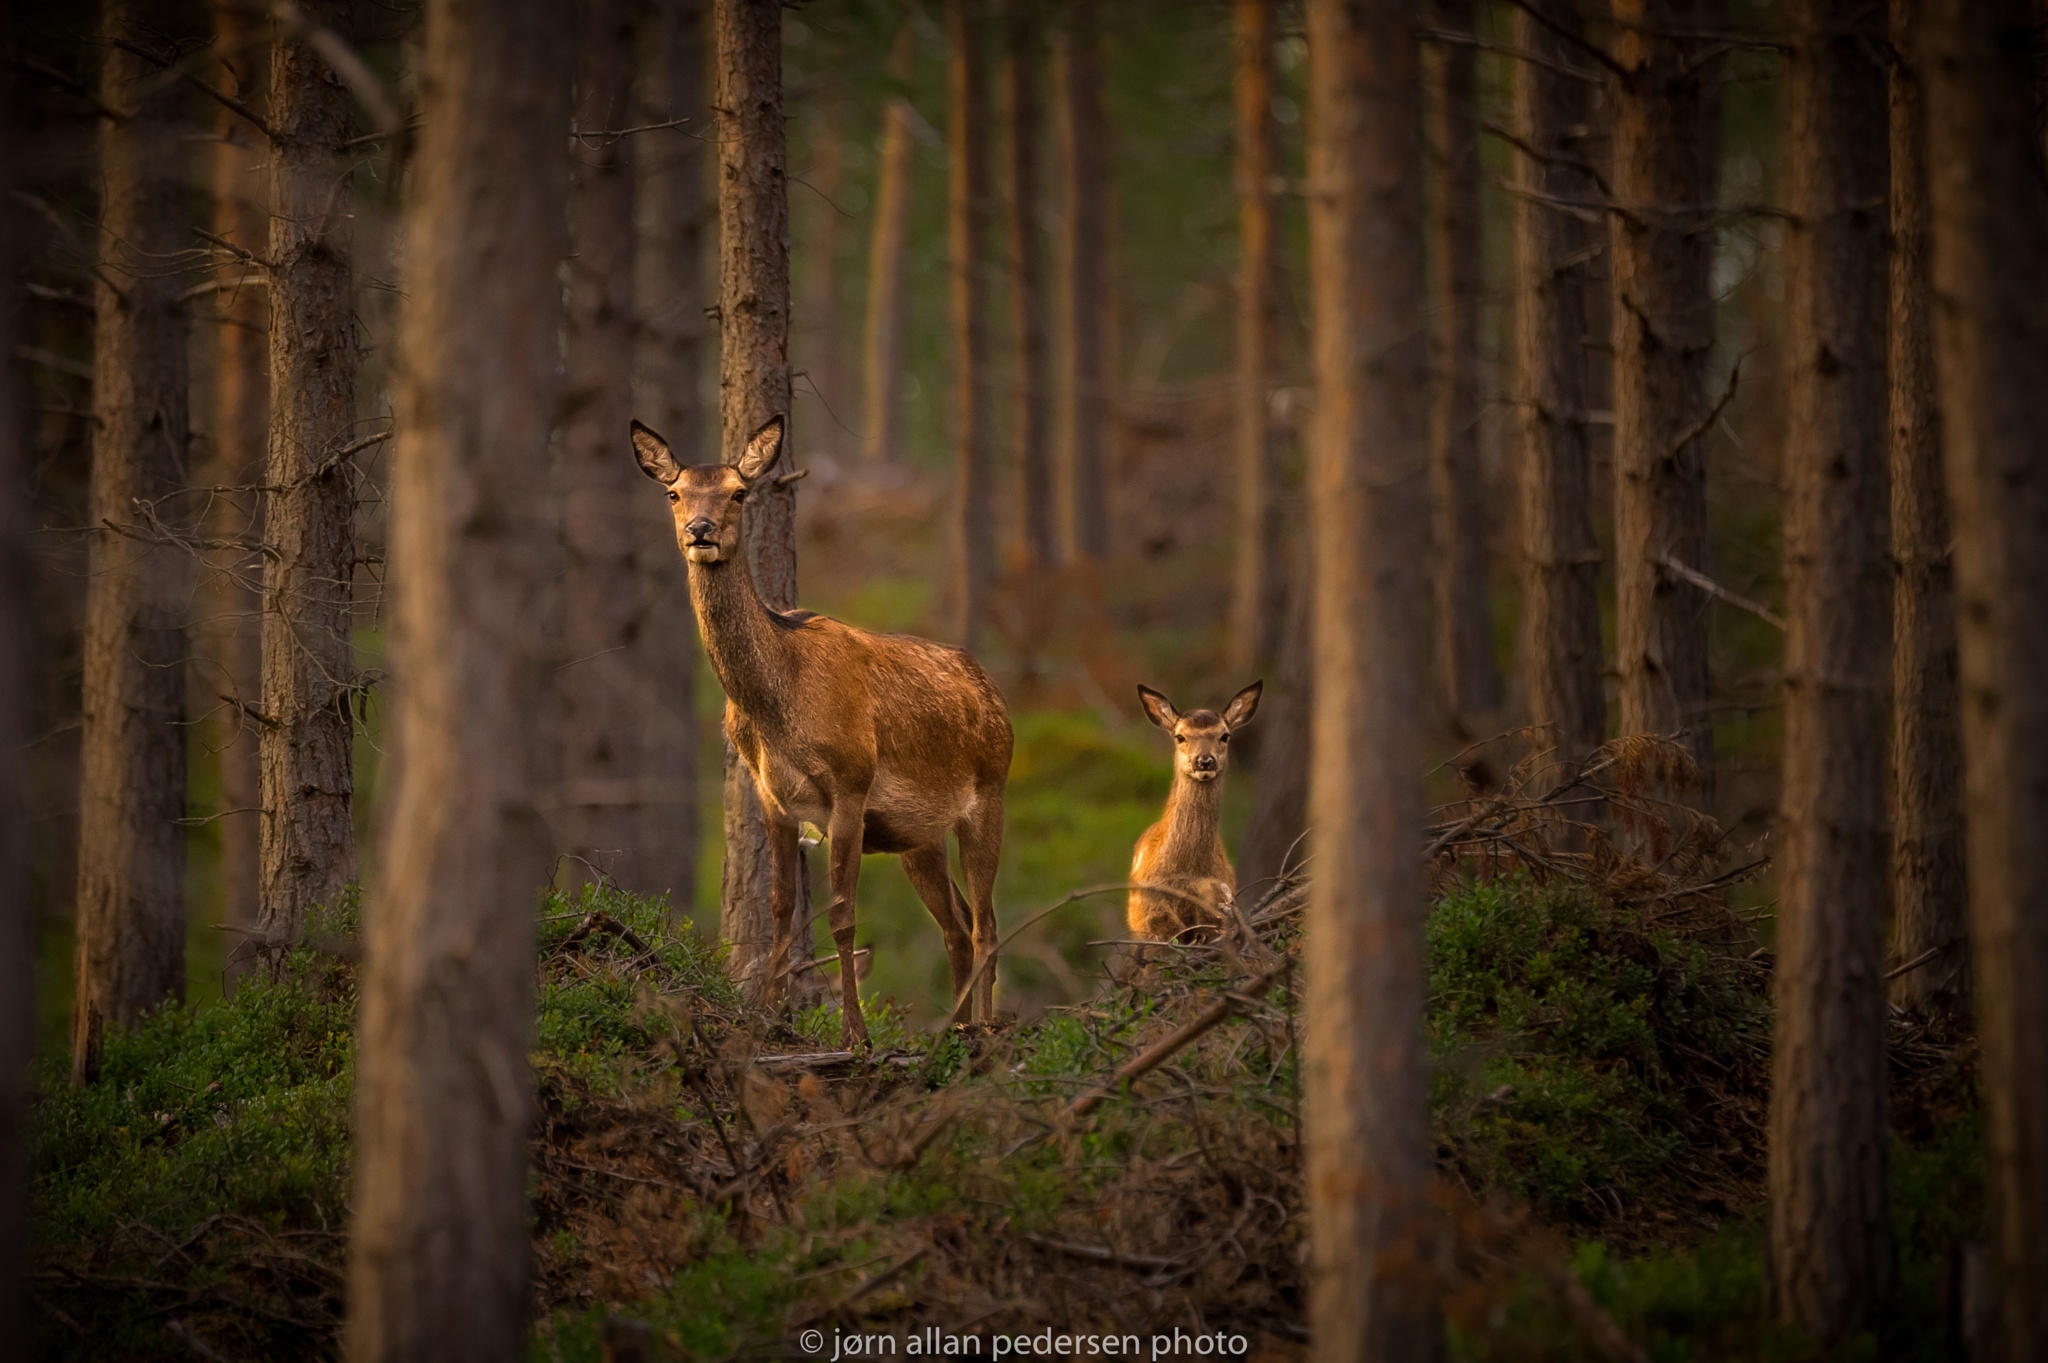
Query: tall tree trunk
x=969, y=214
x=753, y=385
x=1662, y=244
x=673, y=203
x=1258, y=598
x=1027, y=292
x=882, y=423
x=1464, y=614
x=444, y=1101
x=308, y=770
x=614, y=803
x=1084, y=313
x=131, y=845
x=1274, y=841
x=241, y=431
x=1990, y=229
x=1560, y=643
x=1371, y=1294
x=816, y=322
x=1830, y=1216
x=1928, y=890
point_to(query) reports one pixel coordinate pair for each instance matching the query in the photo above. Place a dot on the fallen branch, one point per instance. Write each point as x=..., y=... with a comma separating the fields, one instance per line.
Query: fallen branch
x=1172, y=1044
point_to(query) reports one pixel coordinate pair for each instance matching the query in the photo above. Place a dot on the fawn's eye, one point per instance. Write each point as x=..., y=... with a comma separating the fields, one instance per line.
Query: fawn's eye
x=675, y=496
x=1226, y=738
x=1180, y=738
x=739, y=496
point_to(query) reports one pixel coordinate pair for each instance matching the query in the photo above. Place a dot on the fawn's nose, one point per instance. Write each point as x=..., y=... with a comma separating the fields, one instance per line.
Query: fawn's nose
x=699, y=528
x=1205, y=763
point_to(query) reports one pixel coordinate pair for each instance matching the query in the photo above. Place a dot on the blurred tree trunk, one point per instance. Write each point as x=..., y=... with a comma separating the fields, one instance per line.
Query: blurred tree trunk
x=816, y=322
x=1083, y=317
x=1372, y=1293
x=17, y=908
x=753, y=385
x=308, y=772
x=1928, y=890
x=1464, y=613
x=1662, y=243
x=1273, y=839
x=1830, y=1218
x=882, y=425
x=617, y=798
x=131, y=845
x=969, y=214
x=438, y=1259
x=672, y=200
x=1990, y=227
x=1027, y=292
x=1561, y=657
x=1259, y=597
x=241, y=432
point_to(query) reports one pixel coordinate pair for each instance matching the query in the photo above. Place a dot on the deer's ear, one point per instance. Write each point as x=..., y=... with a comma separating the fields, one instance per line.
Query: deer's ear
x=1158, y=708
x=656, y=460
x=1243, y=706
x=763, y=446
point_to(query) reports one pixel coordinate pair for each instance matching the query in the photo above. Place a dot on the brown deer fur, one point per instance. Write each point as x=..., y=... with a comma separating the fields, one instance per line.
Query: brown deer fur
x=1182, y=855
x=885, y=741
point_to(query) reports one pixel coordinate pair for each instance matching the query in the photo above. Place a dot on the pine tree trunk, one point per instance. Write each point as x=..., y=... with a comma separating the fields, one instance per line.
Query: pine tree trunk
x=308, y=773
x=1028, y=296
x=1464, y=614
x=1366, y=1137
x=969, y=213
x=1274, y=841
x=439, y=1255
x=1664, y=180
x=753, y=385
x=1929, y=896
x=1990, y=229
x=674, y=206
x=1259, y=590
x=1561, y=656
x=131, y=847
x=1083, y=316
x=816, y=322
x=1830, y=1225
x=882, y=397
x=241, y=432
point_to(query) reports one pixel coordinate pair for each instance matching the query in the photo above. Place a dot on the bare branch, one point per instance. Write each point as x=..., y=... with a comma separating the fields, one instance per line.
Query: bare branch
x=1719, y=592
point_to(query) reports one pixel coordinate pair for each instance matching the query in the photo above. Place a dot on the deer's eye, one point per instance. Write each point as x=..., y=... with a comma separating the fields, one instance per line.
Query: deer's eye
x=675, y=496
x=1180, y=738
x=1226, y=738
x=739, y=496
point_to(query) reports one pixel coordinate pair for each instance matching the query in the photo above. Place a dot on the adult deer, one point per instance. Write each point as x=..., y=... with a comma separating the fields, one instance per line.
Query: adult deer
x=1183, y=854
x=885, y=741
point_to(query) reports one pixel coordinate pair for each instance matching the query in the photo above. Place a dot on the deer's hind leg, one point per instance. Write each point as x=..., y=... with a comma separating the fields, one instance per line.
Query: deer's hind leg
x=926, y=867
x=981, y=848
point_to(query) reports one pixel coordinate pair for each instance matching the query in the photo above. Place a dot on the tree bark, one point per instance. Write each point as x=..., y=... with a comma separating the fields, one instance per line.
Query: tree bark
x=1990, y=226
x=1830, y=1217
x=1665, y=149
x=1467, y=668
x=1274, y=841
x=969, y=215
x=1027, y=292
x=131, y=846
x=444, y=1101
x=673, y=203
x=308, y=769
x=241, y=432
x=882, y=425
x=1083, y=316
x=1372, y=1289
x=1561, y=657
x=1259, y=590
x=1928, y=890
x=753, y=385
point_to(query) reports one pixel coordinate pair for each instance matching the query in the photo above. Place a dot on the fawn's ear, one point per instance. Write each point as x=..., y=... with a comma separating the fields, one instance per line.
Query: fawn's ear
x=763, y=446
x=1158, y=708
x=1243, y=706
x=656, y=460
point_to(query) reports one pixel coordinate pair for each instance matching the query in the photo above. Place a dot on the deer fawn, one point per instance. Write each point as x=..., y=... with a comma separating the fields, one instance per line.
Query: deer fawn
x=1183, y=853
x=886, y=742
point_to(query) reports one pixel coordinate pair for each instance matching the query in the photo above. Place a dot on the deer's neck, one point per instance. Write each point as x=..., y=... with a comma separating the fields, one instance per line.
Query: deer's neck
x=748, y=650
x=1194, y=814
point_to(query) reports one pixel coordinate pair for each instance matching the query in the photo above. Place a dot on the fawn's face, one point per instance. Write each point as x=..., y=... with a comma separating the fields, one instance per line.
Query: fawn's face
x=705, y=499
x=1201, y=738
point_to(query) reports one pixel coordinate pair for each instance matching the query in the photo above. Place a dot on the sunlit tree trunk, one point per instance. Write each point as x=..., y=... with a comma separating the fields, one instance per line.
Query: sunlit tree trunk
x=1259, y=590
x=969, y=215
x=882, y=383
x=1990, y=225
x=131, y=846
x=1930, y=935
x=439, y=1255
x=1027, y=292
x=1830, y=1217
x=1083, y=317
x=308, y=773
x=1371, y=1286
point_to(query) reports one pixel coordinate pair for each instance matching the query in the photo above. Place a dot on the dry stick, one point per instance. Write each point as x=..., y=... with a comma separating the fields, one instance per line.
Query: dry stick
x=1163, y=1050
x=1105, y=1255
x=865, y=1286
x=1716, y=590
x=1922, y=959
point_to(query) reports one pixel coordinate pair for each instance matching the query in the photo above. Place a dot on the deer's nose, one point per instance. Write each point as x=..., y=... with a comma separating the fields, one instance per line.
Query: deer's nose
x=1205, y=763
x=699, y=529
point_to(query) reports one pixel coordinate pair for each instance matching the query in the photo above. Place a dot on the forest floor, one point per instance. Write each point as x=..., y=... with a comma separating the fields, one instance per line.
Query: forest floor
x=712, y=1181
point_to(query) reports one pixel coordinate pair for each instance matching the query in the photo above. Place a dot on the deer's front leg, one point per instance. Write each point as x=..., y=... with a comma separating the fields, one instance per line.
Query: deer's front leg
x=846, y=834
x=785, y=860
